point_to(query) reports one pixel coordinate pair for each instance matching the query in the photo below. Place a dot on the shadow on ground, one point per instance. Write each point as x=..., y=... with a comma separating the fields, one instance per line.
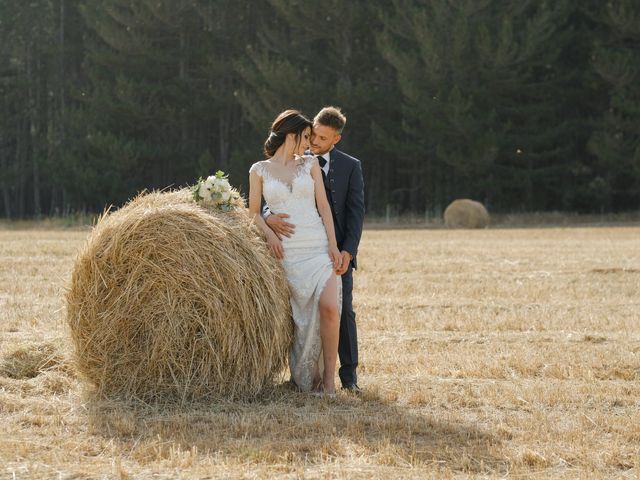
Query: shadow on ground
x=287, y=427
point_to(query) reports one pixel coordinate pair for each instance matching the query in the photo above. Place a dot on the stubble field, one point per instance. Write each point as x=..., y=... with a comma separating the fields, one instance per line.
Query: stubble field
x=495, y=353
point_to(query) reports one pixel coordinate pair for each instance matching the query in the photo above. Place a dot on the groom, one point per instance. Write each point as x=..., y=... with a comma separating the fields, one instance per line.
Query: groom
x=344, y=185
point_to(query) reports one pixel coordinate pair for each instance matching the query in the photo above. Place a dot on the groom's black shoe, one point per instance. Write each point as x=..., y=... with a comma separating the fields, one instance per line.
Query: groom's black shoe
x=353, y=388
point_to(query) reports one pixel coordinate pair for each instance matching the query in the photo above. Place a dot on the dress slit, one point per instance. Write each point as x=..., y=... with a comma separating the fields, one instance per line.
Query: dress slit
x=323, y=285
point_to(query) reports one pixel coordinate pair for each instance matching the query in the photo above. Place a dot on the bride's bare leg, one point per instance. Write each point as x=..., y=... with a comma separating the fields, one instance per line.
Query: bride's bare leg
x=329, y=332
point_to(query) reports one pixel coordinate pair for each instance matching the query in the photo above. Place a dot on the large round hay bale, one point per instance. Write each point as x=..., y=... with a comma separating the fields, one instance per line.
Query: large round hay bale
x=171, y=301
x=465, y=213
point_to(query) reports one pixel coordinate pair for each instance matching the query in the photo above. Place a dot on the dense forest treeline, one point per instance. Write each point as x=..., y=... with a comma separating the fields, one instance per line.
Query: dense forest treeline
x=528, y=105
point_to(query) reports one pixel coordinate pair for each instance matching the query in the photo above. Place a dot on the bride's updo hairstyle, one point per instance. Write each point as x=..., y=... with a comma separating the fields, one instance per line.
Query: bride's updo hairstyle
x=289, y=121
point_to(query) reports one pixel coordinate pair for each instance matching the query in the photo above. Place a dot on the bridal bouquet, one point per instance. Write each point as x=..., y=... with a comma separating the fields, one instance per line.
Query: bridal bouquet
x=216, y=191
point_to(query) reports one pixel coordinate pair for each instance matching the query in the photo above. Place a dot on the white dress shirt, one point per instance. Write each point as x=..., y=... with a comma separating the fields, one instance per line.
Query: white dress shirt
x=327, y=157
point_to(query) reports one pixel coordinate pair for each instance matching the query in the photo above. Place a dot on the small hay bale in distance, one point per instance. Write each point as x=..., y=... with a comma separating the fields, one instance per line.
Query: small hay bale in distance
x=171, y=301
x=465, y=213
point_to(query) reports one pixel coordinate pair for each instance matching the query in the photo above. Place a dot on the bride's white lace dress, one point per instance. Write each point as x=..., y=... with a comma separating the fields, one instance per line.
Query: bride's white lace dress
x=306, y=262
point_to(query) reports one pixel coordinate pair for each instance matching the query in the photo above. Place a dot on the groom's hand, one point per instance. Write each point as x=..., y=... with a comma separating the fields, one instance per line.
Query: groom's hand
x=344, y=265
x=279, y=225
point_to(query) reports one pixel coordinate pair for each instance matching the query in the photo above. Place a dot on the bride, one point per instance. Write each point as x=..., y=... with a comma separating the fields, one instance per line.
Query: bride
x=292, y=182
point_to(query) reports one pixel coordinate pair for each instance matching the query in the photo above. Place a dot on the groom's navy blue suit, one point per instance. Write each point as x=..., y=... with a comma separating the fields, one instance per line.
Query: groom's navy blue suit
x=344, y=185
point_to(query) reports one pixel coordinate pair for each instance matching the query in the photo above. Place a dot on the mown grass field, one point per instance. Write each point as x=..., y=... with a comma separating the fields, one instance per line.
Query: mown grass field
x=502, y=352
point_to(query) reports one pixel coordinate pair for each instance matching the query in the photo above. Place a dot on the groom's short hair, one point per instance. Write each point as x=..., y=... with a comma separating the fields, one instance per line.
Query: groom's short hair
x=331, y=117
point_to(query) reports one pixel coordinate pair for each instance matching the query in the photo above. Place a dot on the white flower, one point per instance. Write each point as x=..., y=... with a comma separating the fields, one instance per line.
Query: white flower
x=221, y=184
x=226, y=196
x=210, y=182
x=204, y=191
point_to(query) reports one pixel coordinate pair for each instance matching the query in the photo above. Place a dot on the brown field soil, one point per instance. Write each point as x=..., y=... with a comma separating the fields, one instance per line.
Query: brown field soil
x=493, y=353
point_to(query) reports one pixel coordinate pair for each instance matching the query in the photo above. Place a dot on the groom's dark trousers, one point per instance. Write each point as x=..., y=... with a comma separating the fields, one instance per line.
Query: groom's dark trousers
x=345, y=191
x=348, y=343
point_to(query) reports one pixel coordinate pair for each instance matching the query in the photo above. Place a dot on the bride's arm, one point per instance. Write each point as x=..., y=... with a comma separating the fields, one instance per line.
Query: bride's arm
x=324, y=209
x=255, y=200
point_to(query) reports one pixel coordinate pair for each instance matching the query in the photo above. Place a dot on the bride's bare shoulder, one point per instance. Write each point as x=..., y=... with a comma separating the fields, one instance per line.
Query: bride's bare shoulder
x=259, y=167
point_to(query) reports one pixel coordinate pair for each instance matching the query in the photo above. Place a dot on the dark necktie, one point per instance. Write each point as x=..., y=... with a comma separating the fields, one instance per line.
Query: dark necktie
x=322, y=162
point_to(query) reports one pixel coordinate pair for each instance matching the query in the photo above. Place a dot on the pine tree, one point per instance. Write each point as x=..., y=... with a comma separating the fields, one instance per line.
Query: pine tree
x=228, y=137
x=161, y=92
x=30, y=89
x=616, y=139
x=482, y=83
x=138, y=98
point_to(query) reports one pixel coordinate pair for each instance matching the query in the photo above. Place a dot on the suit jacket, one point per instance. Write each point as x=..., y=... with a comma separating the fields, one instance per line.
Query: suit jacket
x=345, y=191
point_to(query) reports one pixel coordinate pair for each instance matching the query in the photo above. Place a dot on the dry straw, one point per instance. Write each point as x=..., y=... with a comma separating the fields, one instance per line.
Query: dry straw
x=170, y=301
x=28, y=360
x=465, y=213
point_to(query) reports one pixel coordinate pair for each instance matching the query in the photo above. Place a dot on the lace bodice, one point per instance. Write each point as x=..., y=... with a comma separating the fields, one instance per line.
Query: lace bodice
x=297, y=198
